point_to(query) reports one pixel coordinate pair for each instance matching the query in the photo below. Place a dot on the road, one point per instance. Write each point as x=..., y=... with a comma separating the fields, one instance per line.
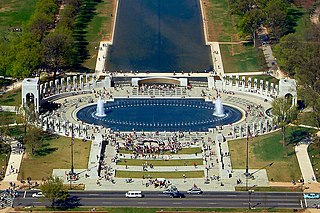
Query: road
x=156, y=199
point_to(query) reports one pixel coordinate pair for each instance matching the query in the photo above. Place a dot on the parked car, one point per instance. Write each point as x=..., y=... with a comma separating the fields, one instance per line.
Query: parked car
x=176, y=194
x=38, y=195
x=311, y=196
x=194, y=190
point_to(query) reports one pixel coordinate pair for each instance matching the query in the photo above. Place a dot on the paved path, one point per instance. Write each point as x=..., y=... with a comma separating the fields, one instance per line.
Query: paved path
x=304, y=163
x=13, y=163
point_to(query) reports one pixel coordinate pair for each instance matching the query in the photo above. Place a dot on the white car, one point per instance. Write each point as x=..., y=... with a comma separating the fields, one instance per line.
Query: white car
x=38, y=195
x=194, y=190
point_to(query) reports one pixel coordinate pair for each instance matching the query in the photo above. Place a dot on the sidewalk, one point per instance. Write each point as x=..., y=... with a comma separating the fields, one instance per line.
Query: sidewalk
x=13, y=164
x=304, y=163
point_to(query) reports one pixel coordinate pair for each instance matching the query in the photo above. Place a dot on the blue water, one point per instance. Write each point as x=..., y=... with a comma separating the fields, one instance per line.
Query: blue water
x=159, y=115
x=159, y=36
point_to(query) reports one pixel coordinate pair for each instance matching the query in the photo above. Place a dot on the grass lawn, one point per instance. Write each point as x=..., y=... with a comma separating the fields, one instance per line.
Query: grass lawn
x=134, y=174
x=138, y=162
x=154, y=210
x=268, y=148
x=192, y=150
x=306, y=118
x=12, y=98
x=15, y=131
x=8, y=117
x=221, y=25
x=99, y=28
x=314, y=156
x=272, y=189
x=242, y=58
x=15, y=13
x=55, y=154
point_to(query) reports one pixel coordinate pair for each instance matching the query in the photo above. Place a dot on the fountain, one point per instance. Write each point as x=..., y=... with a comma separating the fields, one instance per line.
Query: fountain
x=218, y=108
x=100, y=108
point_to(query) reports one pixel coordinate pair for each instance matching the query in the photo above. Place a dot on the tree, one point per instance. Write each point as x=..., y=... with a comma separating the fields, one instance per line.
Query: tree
x=250, y=23
x=53, y=190
x=284, y=113
x=277, y=17
x=33, y=138
x=289, y=53
x=58, y=50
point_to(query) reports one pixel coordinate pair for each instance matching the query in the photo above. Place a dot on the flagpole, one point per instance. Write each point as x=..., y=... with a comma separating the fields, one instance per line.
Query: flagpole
x=72, y=144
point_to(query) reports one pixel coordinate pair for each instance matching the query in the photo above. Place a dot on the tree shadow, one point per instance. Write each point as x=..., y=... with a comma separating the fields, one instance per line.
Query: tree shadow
x=86, y=14
x=69, y=203
x=293, y=16
x=45, y=150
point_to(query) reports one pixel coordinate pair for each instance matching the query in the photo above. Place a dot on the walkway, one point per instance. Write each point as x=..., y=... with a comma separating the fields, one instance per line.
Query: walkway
x=13, y=163
x=304, y=162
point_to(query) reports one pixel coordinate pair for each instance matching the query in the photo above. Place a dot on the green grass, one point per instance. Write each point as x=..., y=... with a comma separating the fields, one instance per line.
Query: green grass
x=15, y=13
x=192, y=150
x=221, y=25
x=134, y=174
x=242, y=58
x=55, y=154
x=306, y=118
x=8, y=117
x=314, y=156
x=12, y=98
x=268, y=148
x=99, y=28
x=272, y=189
x=138, y=162
x=154, y=210
x=15, y=131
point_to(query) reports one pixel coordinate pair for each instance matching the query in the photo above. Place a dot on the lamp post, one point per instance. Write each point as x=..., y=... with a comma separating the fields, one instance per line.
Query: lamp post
x=250, y=191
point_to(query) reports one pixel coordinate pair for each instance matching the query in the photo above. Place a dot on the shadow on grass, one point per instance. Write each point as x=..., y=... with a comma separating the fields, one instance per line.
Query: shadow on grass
x=86, y=14
x=45, y=150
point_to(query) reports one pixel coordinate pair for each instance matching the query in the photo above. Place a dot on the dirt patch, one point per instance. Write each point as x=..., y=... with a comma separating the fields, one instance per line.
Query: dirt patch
x=5, y=9
x=304, y=3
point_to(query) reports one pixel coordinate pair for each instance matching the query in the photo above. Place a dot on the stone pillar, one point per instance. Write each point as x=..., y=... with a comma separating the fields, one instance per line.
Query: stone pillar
x=255, y=84
x=243, y=83
x=267, y=87
x=260, y=127
x=81, y=82
x=41, y=91
x=249, y=84
x=272, y=88
x=51, y=89
x=56, y=84
x=237, y=82
x=68, y=84
x=240, y=131
x=276, y=90
x=261, y=87
x=75, y=85
x=63, y=87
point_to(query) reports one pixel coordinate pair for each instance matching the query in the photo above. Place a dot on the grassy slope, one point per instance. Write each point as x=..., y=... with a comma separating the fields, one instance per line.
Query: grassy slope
x=15, y=13
x=55, y=154
x=266, y=149
x=100, y=28
x=139, y=162
x=12, y=98
x=194, y=174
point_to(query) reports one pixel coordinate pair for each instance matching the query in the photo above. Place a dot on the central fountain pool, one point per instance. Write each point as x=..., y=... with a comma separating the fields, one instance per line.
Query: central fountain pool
x=159, y=115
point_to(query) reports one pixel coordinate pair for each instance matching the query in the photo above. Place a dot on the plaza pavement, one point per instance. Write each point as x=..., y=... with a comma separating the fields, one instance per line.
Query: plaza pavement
x=239, y=100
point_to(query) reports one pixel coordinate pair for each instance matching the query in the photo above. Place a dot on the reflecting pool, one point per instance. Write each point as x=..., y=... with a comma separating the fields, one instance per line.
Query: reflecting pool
x=159, y=36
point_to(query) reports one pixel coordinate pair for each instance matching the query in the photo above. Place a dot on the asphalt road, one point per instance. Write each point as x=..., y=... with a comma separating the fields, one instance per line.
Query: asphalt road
x=156, y=199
